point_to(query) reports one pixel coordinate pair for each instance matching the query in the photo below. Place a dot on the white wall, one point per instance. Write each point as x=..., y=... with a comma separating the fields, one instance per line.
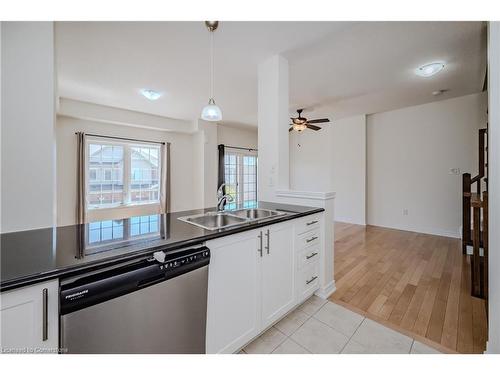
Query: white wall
x=206, y=163
x=349, y=169
x=333, y=159
x=0, y=125
x=311, y=160
x=409, y=154
x=28, y=121
x=182, y=151
x=238, y=137
x=493, y=345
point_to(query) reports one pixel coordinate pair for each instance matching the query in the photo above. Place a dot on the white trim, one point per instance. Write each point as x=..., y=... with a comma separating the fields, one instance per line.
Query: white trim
x=349, y=221
x=494, y=185
x=469, y=250
x=119, y=116
x=488, y=349
x=327, y=290
x=431, y=231
x=314, y=195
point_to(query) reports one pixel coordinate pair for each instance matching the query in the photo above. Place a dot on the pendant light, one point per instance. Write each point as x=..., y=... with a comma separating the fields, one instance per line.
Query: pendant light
x=211, y=112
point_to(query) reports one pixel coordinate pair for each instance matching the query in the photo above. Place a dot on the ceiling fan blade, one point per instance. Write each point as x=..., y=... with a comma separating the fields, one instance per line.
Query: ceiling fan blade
x=313, y=127
x=290, y=128
x=318, y=121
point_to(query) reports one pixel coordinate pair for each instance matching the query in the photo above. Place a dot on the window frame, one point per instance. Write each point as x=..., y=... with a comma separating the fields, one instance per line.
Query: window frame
x=240, y=176
x=127, y=174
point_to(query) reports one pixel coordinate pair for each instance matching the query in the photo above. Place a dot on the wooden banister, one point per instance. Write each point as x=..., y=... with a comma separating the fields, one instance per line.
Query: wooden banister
x=485, y=248
x=475, y=231
x=466, y=188
x=475, y=258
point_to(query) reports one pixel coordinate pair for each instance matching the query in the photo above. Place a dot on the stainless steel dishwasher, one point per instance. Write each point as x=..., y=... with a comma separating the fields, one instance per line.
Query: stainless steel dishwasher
x=154, y=305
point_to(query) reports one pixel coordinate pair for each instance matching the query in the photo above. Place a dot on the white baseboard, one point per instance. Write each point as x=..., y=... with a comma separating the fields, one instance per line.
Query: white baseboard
x=326, y=291
x=490, y=350
x=432, y=231
x=349, y=221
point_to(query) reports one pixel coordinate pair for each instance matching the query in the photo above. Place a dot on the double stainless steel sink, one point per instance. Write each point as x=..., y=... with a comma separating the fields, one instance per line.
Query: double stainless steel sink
x=224, y=219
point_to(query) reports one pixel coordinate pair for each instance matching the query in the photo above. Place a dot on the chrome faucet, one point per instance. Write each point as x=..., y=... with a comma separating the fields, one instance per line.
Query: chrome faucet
x=222, y=198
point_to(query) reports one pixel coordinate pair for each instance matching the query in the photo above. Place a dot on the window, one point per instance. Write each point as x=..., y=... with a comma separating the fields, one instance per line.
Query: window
x=122, y=174
x=240, y=174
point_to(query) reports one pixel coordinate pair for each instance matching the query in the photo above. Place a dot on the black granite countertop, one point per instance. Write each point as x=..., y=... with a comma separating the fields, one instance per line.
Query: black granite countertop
x=32, y=256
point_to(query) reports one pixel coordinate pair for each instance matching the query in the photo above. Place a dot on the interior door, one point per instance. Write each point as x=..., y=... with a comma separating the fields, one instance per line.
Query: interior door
x=277, y=272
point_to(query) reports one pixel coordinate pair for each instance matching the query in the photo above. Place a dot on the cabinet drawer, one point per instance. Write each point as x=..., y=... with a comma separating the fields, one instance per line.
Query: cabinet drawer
x=308, y=281
x=307, y=257
x=310, y=238
x=307, y=223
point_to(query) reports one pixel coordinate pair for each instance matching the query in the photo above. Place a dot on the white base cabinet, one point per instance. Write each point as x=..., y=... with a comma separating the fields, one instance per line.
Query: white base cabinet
x=29, y=319
x=277, y=279
x=251, y=285
x=233, y=292
x=308, y=247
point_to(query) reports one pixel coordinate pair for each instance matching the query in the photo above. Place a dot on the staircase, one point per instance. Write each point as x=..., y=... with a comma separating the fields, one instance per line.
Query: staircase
x=475, y=221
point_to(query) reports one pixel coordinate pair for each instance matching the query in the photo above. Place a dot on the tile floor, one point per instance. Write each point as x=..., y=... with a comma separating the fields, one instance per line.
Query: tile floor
x=319, y=326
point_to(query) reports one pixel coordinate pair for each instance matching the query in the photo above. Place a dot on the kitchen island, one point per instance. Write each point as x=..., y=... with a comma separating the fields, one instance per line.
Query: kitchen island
x=272, y=263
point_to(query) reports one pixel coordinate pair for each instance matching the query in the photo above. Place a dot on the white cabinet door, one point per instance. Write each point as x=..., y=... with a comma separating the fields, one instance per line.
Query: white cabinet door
x=29, y=318
x=233, y=315
x=278, y=290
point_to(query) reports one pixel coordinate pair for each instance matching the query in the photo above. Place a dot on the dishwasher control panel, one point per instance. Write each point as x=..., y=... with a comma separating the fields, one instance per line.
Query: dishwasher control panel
x=185, y=260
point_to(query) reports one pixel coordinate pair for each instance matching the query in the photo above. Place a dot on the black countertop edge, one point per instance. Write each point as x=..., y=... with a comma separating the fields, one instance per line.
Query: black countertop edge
x=91, y=266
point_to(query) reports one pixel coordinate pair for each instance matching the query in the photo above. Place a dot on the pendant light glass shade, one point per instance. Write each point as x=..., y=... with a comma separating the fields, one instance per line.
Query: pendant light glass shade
x=211, y=112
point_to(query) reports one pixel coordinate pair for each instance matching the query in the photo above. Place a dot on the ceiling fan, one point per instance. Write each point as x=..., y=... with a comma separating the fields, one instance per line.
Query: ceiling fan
x=300, y=123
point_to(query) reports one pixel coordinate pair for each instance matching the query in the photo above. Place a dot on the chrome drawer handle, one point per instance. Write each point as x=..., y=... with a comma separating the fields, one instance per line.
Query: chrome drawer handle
x=311, y=239
x=312, y=222
x=310, y=281
x=45, y=315
x=311, y=256
x=260, y=247
x=267, y=236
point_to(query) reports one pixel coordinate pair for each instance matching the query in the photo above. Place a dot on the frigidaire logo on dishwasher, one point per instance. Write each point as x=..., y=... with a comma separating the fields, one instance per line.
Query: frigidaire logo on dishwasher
x=77, y=294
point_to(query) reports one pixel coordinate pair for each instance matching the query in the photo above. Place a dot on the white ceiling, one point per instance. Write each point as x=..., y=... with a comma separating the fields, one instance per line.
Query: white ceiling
x=336, y=68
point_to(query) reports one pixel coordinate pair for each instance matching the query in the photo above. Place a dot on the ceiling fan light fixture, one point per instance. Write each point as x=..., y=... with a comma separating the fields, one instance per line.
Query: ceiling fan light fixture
x=299, y=127
x=211, y=112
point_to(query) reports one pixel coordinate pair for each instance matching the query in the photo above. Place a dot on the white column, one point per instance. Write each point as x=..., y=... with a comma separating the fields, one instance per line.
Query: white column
x=28, y=163
x=274, y=167
x=493, y=345
x=273, y=120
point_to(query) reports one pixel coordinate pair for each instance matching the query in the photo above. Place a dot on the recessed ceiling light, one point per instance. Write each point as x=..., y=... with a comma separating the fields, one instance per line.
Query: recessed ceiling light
x=151, y=94
x=439, y=92
x=428, y=70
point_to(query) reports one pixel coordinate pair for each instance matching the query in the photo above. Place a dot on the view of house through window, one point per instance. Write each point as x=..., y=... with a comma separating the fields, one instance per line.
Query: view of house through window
x=240, y=170
x=122, y=173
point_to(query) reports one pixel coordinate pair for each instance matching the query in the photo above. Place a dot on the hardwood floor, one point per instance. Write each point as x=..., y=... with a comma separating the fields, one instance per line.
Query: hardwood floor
x=416, y=283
